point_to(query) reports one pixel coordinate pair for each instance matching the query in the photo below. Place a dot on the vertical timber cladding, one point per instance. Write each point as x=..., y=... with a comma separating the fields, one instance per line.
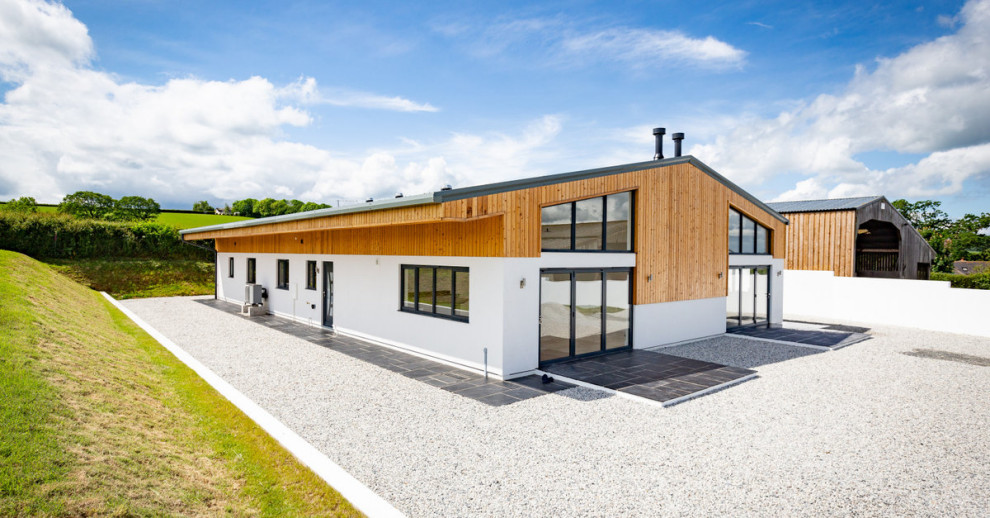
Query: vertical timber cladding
x=824, y=241
x=477, y=238
x=681, y=226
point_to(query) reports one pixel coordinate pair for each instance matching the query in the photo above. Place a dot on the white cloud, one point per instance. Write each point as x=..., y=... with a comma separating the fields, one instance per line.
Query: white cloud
x=560, y=41
x=37, y=34
x=933, y=99
x=66, y=127
x=306, y=91
x=460, y=160
x=647, y=48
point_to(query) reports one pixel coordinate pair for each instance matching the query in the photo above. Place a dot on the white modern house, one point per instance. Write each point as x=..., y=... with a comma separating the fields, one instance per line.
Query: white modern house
x=534, y=271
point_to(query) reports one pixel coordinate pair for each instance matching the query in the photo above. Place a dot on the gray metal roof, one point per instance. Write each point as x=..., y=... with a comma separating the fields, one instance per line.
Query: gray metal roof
x=785, y=207
x=387, y=203
x=493, y=188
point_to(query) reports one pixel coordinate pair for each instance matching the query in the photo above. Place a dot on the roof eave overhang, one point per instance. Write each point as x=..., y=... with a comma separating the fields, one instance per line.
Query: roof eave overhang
x=313, y=214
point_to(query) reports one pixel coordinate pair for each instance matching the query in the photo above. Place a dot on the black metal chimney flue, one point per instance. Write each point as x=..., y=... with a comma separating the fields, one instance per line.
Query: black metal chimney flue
x=658, y=134
x=677, y=137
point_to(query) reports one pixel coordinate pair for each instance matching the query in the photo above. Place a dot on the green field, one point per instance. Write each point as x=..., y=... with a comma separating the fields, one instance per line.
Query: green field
x=127, y=278
x=98, y=419
x=183, y=220
x=180, y=220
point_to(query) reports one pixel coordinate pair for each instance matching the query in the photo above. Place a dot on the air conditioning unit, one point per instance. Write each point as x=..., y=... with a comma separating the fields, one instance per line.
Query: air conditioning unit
x=254, y=294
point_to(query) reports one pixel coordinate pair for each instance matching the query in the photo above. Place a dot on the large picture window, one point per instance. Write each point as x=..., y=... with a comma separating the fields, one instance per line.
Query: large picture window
x=283, y=274
x=602, y=224
x=440, y=291
x=747, y=236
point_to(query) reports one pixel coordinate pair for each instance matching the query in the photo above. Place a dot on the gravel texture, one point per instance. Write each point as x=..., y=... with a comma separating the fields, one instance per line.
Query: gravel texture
x=738, y=352
x=865, y=430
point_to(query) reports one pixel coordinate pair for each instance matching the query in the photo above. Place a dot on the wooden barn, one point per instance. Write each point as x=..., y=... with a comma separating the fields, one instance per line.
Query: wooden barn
x=854, y=237
x=522, y=273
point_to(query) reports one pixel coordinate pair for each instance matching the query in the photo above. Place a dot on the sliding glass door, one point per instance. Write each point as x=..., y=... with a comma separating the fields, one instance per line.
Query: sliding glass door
x=584, y=312
x=748, y=296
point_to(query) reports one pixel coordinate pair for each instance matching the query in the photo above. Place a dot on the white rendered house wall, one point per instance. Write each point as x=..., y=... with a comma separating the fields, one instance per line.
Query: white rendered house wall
x=366, y=303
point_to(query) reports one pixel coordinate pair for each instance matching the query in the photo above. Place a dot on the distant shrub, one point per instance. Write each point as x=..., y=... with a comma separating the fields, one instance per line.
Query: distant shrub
x=49, y=235
x=978, y=281
x=22, y=204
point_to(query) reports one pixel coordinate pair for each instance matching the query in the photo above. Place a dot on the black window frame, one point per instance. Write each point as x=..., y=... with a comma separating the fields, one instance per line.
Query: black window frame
x=311, y=275
x=251, y=270
x=743, y=219
x=230, y=267
x=432, y=312
x=278, y=274
x=604, y=229
x=604, y=293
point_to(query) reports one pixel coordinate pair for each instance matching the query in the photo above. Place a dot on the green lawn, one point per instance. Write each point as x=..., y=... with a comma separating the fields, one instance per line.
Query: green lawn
x=98, y=419
x=183, y=220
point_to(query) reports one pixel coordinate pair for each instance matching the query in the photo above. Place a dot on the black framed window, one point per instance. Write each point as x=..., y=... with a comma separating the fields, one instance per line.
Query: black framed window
x=440, y=291
x=588, y=224
x=602, y=224
x=310, y=275
x=283, y=274
x=251, y=265
x=230, y=267
x=618, y=222
x=746, y=236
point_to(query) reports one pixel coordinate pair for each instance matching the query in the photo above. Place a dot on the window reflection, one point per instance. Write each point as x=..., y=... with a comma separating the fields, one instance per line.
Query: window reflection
x=556, y=227
x=735, y=226
x=746, y=236
x=588, y=216
x=749, y=236
x=618, y=231
x=603, y=223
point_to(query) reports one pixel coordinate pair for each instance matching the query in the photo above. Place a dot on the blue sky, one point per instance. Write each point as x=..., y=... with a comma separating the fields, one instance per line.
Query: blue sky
x=329, y=101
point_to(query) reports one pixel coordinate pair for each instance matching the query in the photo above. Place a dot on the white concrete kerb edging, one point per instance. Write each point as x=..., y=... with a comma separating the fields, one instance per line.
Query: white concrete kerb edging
x=359, y=495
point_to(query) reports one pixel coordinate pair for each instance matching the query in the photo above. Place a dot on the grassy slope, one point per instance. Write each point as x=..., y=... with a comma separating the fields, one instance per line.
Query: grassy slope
x=182, y=220
x=98, y=418
x=136, y=278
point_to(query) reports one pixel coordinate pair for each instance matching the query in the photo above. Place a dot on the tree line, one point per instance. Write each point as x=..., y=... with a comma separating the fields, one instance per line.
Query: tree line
x=953, y=240
x=253, y=208
x=93, y=205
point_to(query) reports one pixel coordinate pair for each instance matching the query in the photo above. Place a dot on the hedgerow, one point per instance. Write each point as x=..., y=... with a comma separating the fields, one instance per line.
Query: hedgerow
x=976, y=281
x=48, y=235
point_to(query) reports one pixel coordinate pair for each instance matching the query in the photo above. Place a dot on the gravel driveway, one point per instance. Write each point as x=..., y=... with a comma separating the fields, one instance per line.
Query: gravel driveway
x=865, y=430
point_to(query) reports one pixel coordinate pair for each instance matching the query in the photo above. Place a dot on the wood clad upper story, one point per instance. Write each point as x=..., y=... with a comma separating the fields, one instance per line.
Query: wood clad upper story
x=680, y=224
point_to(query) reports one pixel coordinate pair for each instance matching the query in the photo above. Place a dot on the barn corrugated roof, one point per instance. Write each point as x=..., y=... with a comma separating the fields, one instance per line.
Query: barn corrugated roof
x=784, y=207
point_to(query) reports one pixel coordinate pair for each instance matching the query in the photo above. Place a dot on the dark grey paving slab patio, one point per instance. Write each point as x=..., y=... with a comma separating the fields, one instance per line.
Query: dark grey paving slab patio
x=467, y=384
x=649, y=374
x=829, y=336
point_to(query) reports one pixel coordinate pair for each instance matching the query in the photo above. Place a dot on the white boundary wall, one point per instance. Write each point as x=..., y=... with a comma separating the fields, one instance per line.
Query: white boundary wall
x=931, y=305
